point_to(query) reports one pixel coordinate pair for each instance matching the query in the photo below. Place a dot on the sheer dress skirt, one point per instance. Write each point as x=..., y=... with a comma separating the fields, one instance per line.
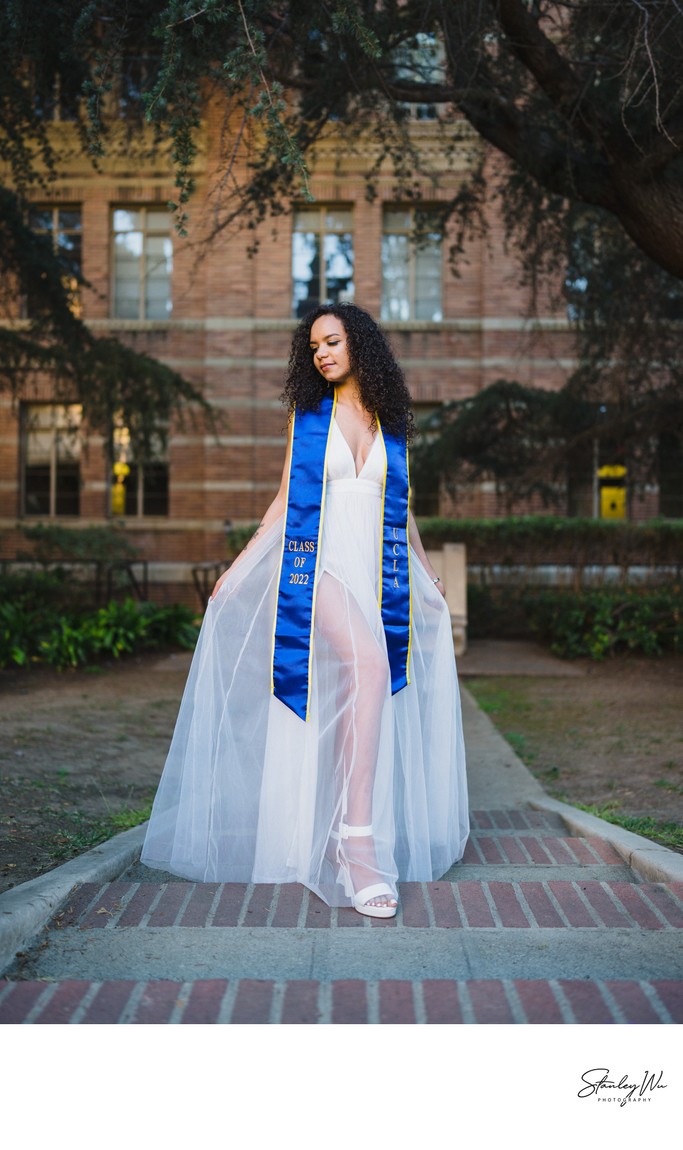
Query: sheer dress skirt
x=252, y=793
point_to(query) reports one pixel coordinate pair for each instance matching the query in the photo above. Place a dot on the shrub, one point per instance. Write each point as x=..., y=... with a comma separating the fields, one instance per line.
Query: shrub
x=65, y=645
x=174, y=625
x=20, y=630
x=38, y=591
x=115, y=629
x=600, y=622
x=496, y=612
x=70, y=640
x=590, y=623
x=54, y=543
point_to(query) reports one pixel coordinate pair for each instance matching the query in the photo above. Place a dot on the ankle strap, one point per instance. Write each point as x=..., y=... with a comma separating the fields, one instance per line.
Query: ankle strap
x=347, y=832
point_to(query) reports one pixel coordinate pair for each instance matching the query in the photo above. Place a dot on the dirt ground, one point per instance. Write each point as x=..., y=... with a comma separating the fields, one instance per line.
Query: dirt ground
x=76, y=748
x=611, y=736
x=79, y=748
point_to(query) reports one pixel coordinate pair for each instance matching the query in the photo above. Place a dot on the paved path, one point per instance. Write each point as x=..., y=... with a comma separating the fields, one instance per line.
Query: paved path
x=544, y=921
x=516, y=657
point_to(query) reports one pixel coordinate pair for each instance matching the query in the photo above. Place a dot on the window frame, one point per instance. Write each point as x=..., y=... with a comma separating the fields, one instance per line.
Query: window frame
x=145, y=209
x=412, y=249
x=74, y=293
x=51, y=107
x=423, y=56
x=24, y=431
x=321, y=232
x=139, y=466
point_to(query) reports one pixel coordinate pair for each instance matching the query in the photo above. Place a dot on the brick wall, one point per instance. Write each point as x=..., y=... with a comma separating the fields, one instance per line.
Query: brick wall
x=230, y=331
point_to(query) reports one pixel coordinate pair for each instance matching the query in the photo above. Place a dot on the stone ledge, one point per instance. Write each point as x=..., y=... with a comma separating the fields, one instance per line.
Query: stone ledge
x=648, y=859
x=27, y=908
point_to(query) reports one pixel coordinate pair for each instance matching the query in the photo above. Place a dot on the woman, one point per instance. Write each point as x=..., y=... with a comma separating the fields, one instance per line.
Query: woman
x=319, y=737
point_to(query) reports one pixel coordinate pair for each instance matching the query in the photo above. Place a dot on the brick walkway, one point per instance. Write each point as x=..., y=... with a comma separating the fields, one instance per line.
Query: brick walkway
x=343, y=1001
x=534, y=926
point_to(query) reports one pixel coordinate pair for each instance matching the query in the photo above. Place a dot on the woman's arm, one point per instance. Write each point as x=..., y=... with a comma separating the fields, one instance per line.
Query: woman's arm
x=276, y=509
x=416, y=544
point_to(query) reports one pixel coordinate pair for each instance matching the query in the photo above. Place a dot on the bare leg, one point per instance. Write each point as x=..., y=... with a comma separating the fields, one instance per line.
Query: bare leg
x=365, y=677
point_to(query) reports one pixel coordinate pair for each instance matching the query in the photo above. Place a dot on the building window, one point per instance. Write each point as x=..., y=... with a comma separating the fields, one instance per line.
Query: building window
x=63, y=226
x=136, y=488
x=143, y=262
x=51, y=455
x=138, y=75
x=421, y=60
x=411, y=265
x=55, y=102
x=322, y=257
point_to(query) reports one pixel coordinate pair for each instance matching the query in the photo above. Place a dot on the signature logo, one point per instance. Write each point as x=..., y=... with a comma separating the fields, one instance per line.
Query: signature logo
x=598, y=1084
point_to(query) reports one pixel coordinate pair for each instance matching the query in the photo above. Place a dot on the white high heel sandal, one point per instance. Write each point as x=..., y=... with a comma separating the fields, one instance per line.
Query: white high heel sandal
x=376, y=890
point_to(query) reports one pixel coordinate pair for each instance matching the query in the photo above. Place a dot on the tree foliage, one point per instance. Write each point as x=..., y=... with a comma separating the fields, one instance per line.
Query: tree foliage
x=523, y=436
x=581, y=100
x=62, y=55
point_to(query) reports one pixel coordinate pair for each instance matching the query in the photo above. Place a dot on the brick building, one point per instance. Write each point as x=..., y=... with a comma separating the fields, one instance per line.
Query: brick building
x=224, y=319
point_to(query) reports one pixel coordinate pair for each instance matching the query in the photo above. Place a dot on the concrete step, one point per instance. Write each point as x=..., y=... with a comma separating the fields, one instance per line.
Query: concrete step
x=534, y=925
x=497, y=929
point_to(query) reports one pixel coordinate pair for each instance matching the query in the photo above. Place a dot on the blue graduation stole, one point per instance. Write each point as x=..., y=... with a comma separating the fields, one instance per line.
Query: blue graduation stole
x=295, y=609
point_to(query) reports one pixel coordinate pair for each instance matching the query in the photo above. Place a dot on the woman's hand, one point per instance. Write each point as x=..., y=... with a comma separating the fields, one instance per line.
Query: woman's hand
x=416, y=544
x=219, y=583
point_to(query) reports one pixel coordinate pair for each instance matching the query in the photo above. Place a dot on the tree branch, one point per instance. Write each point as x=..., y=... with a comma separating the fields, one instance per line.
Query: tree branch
x=566, y=91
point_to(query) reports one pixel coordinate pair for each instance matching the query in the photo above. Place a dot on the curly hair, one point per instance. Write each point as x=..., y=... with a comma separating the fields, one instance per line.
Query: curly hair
x=383, y=389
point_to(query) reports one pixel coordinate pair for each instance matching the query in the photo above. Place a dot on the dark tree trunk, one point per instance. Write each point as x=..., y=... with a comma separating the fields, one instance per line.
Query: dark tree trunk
x=652, y=214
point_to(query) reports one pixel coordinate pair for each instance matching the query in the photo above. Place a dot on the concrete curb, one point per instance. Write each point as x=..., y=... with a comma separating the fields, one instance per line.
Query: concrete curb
x=651, y=861
x=25, y=909
x=516, y=783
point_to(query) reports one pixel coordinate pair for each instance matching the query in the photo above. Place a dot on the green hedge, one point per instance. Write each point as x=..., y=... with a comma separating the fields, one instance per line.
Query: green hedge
x=533, y=539
x=53, y=543
x=590, y=623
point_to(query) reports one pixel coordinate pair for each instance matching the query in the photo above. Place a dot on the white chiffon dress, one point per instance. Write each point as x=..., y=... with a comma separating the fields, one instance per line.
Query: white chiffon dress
x=252, y=793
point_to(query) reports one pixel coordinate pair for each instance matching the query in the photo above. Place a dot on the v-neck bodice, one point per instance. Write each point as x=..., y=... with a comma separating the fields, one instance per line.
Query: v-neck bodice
x=342, y=465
